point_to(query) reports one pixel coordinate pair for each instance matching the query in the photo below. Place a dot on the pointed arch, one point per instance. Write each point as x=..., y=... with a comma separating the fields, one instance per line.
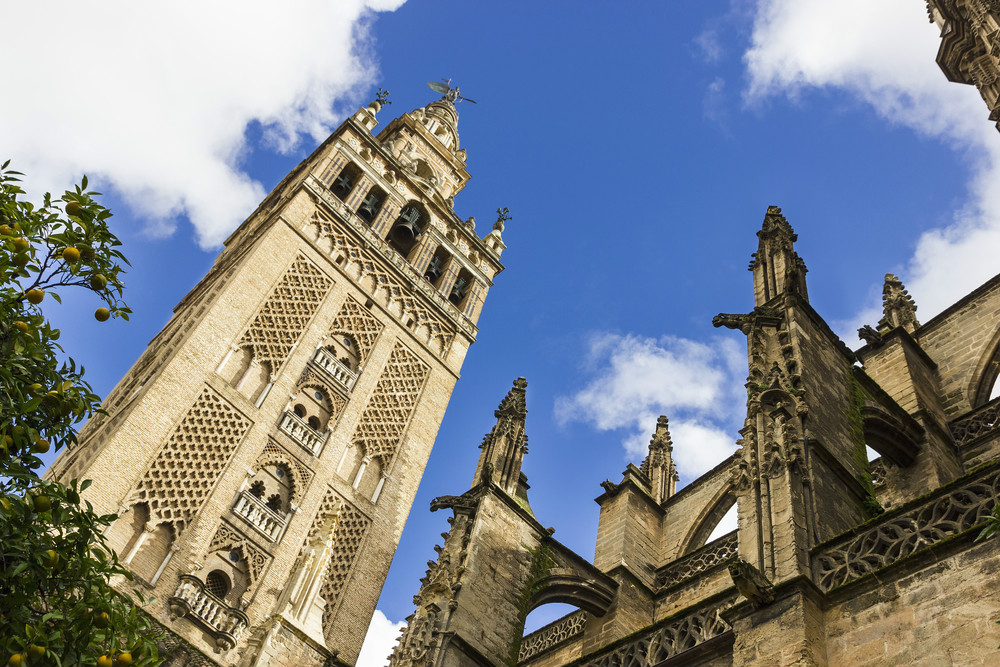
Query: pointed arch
x=984, y=378
x=709, y=517
x=276, y=456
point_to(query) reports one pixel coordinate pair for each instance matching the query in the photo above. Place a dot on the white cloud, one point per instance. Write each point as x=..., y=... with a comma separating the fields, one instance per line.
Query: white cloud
x=155, y=99
x=379, y=642
x=636, y=379
x=883, y=53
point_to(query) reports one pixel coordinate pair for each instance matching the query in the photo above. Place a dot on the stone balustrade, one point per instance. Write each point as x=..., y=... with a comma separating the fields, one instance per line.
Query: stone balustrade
x=260, y=516
x=223, y=622
x=982, y=422
x=337, y=371
x=301, y=432
x=553, y=634
x=717, y=552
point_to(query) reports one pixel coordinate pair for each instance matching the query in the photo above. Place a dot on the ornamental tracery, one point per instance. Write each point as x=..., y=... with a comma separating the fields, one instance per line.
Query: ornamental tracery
x=285, y=314
x=228, y=539
x=391, y=405
x=273, y=454
x=356, y=321
x=189, y=464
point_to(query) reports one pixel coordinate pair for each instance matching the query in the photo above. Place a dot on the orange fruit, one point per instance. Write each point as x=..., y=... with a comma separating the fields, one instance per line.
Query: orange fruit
x=71, y=255
x=42, y=503
x=22, y=326
x=102, y=314
x=17, y=660
x=36, y=652
x=102, y=620
x=21, y=244
x=35, y=296
x=123, y=660
x=52, y=558
x=6, y=230
x=41, y=446
x=21, y=260
x=104, y=661
x=98, y=282
x=74, y=208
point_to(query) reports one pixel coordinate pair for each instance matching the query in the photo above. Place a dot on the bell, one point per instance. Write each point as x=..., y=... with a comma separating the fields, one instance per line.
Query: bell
x=369, y=207
x=433, y=272
x=458, y=291
x=405, y=233
x=342, y=186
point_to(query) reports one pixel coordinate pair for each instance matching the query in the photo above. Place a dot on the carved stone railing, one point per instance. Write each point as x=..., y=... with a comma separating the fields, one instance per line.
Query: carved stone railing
x=878, y=472
x=338, y=372
x=224, y=623
x=456, y=316
x=982, y=422
x=268, y=522
x=552, y=635
x=906, y=530
x=664, y=640
x=716, y=552
x=301, y=432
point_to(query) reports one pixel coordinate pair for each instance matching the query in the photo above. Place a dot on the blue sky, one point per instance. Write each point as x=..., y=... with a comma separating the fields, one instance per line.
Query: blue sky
x=636, y=145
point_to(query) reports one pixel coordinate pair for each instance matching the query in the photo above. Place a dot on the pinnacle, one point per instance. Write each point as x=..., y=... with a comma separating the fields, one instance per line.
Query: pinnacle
x=514, y=402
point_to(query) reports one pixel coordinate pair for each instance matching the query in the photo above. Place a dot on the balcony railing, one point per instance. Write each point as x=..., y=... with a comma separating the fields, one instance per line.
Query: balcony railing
x=260, y=516
x=301, y=432
x=224, y=623
x=337, y=371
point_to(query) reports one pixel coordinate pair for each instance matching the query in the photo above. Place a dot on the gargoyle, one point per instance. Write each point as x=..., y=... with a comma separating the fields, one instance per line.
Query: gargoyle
x=868, y=334
x=751, y=583
x=462, y=502
x=732, y=321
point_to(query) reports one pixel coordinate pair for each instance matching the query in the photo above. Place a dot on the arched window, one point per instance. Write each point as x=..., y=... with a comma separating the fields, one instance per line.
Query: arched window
x=408, y=228
x=345, y=181
x=435, y=269
x=217, y=583
x=460, y=290
x=372, y=204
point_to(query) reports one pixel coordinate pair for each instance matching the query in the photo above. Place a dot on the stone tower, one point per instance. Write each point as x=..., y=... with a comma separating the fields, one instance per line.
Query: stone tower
x=264, y=451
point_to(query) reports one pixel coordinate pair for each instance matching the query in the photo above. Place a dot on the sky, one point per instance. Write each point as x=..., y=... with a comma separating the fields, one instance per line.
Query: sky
x=636, y=145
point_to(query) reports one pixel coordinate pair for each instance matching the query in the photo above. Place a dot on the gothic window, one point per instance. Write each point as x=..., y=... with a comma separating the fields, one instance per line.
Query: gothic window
x=346, y=180
x=372, y=204
x=460, y=290
x=408, y=228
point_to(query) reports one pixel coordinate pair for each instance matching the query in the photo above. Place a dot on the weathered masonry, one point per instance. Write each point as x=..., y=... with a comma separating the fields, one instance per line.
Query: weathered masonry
x=264, y=451
x=837, y=559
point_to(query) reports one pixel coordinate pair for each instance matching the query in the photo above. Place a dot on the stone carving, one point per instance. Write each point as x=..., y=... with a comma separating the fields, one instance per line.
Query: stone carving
x=870, y=335
x=286, y=313
x=228, y=539
x=190, y=462
x=751, y=583
x=898, y=309
x=351, y=528
x=418, y=640
x=391, y=404
x=903, y=533
x=223, y=622
x=361, y=326
x=714, y=553
x=981, y=422
x=878, y=471
x=665, y=640
x=552, y=635
x=386, y=287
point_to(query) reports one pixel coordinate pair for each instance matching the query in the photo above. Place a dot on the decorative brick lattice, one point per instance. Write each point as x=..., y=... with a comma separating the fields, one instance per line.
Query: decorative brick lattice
x=902, y=533
x=228, y=539
x=188, y=465
x=351, y=528
x=276, y=455
x=391, y=405
x=980, y=423
x=553, y=634
x=717, y=552
x=385, y=284
x=666, y=639
x=285, y=314
x=355, y=321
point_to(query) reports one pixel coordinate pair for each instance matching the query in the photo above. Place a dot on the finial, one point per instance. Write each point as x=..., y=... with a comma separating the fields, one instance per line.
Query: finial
x=503, y=215
x=381, y=99
x=898, y=308
x=449, y=94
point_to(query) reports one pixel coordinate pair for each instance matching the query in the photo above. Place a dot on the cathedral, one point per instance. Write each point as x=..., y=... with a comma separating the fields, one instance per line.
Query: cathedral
x=265, y=450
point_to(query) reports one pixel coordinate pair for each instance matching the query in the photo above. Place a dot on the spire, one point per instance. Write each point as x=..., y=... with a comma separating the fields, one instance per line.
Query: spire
x=659, y=463
x=505, y=445
x=777, y=269
x=898, y=308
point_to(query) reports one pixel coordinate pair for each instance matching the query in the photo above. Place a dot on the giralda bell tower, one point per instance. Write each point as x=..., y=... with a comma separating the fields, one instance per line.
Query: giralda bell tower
x=265, y=449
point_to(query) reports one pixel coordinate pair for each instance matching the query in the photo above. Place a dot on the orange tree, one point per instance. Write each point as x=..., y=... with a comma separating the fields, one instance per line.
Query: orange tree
x=57, y=603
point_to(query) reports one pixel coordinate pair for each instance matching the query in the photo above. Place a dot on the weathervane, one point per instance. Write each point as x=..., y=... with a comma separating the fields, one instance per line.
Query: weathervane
x=450, y=94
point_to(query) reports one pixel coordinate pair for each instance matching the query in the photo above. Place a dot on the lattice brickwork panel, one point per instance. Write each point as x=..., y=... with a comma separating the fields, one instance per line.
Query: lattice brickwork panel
x=391, y=405
x=351, y=528
x=286, y=313
x=355, y=321
x=227, y=538
x=390, y=289
x=185, y=470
